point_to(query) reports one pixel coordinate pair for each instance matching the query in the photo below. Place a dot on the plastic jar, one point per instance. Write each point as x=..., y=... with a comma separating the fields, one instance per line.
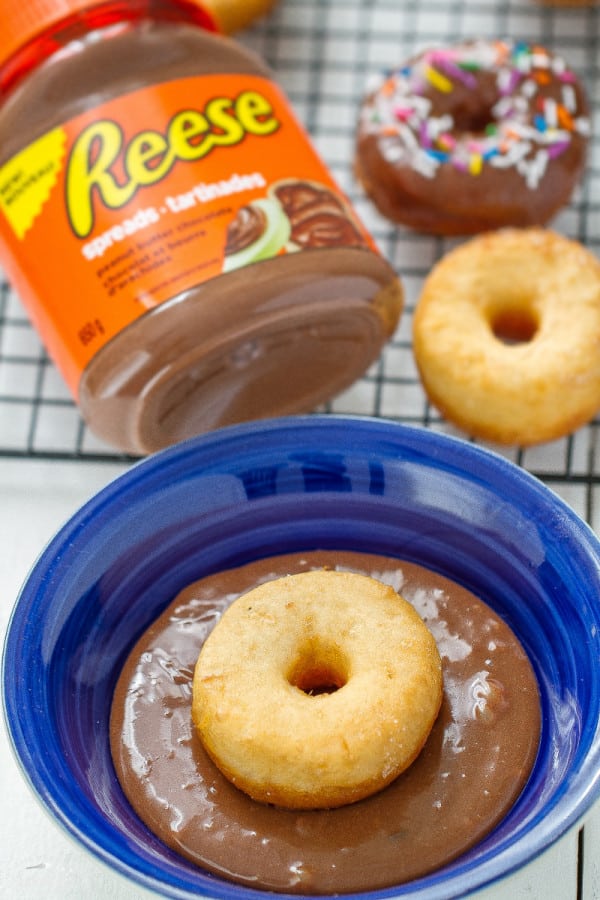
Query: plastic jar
x=185, y=255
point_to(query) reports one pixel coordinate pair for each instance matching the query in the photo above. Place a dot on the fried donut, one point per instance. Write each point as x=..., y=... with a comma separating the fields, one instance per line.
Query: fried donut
x=233, y=15
x=316, y=690
x=478, y=136
x=506, y=336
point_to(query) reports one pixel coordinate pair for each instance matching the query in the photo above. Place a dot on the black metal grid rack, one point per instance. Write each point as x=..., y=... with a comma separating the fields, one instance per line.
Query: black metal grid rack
x=324, y=53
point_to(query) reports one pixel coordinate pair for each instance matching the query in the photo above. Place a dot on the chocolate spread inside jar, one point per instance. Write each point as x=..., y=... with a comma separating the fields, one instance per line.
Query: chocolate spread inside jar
x=472, y=769
x=141, y=158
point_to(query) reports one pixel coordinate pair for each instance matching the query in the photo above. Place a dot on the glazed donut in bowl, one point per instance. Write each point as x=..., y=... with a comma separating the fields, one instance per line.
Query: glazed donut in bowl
x=478, y=136
x=289, y=704
x=506, y=336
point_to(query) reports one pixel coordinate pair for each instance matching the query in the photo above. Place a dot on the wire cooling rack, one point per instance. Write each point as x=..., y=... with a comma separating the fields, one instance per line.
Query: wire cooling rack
x=324, y=53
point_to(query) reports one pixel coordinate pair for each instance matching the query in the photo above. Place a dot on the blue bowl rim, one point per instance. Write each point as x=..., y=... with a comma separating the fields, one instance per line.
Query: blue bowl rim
x=455, y=452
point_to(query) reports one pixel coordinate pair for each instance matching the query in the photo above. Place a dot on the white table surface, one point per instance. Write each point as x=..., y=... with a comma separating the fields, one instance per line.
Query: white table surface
x=38, y=860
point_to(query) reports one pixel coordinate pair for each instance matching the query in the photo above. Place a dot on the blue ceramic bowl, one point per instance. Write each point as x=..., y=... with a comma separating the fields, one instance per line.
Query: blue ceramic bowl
x=275, y=487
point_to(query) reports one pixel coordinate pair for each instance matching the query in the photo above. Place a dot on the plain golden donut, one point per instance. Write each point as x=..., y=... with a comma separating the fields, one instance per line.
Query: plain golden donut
x=233, y=15
x=317, y=689
x=506, y=336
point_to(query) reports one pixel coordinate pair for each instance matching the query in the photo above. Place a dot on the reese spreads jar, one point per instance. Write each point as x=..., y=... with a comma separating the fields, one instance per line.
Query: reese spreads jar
x=183, y=251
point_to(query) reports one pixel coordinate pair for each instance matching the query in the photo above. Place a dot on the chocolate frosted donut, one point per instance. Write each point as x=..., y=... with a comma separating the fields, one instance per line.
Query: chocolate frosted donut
x=477, y=136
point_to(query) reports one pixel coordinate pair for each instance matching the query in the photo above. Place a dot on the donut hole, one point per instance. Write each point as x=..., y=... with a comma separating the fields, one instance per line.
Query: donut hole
x=512, y=325
x=474, y=111
x=320, y=668
x=470, y=119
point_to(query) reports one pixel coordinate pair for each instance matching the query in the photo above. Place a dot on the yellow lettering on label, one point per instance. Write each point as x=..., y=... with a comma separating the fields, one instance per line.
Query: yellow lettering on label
x=100, y=152
x=221, y=114
x=26, y=180
x=184, y=133
x=88, y=169
x=256, y=113
x=146, y=156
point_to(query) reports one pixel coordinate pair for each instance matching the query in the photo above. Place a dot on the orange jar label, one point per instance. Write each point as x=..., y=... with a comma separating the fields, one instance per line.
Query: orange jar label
x=129, y=204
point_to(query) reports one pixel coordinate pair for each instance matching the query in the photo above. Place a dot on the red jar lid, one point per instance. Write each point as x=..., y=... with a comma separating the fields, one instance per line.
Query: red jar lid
x=25, y=21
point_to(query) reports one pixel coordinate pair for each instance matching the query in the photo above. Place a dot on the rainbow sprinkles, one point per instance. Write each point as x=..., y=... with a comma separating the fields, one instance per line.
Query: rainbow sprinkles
x=536, y=114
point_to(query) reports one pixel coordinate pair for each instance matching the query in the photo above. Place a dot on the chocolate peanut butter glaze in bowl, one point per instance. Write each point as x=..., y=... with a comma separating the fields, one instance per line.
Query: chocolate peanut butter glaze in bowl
x=291, y=486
